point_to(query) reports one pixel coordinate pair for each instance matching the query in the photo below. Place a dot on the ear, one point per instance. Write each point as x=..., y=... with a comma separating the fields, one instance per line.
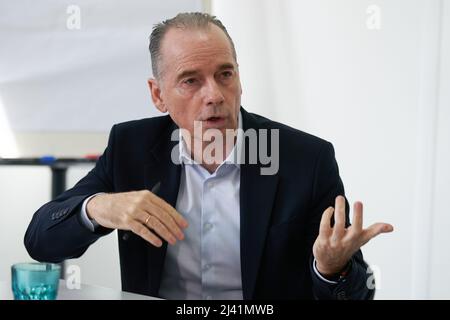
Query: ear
x=155, y=91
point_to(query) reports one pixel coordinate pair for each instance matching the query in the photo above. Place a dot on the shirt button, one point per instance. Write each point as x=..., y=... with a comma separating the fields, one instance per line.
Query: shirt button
x=207, y=226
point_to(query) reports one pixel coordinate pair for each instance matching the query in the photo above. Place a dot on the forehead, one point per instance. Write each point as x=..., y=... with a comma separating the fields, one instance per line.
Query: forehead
x=195, y=48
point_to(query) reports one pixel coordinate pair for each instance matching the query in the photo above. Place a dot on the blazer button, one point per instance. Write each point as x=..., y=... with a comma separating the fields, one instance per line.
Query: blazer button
x=340, y=295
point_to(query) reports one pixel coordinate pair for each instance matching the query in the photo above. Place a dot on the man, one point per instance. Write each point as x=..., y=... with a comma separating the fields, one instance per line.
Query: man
x=194, y=224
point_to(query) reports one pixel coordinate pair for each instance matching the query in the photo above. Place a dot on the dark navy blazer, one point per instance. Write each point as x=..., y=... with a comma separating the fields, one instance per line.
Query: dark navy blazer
x=280, y=213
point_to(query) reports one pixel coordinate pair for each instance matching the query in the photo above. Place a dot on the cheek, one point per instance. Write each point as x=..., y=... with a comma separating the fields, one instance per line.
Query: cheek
x=183, y=114
x=180, y=117
x=233, y=98
x=234, y=90
x=179, y=105
x=182, y=93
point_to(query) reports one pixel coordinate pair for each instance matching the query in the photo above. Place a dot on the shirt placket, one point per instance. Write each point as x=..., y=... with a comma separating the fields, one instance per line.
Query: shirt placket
x=207, y=263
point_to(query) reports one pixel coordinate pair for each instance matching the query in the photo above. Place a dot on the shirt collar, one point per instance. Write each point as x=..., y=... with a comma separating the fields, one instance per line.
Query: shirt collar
x=185, y=157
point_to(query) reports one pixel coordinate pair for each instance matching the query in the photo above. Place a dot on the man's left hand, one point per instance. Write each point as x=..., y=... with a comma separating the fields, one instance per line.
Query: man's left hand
x=335, y=245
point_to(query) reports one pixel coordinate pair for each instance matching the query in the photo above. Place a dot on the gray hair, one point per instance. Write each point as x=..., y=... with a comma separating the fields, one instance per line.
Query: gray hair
x=187, y=20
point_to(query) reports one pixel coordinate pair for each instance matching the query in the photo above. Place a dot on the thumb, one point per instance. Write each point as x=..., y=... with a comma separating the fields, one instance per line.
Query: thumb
x=374, y=230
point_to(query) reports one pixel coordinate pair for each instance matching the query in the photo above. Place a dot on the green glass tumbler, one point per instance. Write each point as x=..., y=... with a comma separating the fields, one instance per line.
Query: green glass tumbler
x=35, y=281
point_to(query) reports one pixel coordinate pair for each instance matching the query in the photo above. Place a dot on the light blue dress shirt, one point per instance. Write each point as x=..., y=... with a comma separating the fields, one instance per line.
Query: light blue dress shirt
x=207, y=263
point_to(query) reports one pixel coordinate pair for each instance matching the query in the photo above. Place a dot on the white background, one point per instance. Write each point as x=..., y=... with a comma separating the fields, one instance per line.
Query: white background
x=55, y=76
x=380, y=96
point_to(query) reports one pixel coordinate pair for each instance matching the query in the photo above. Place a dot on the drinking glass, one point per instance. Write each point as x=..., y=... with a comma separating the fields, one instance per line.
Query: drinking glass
x=35, y=281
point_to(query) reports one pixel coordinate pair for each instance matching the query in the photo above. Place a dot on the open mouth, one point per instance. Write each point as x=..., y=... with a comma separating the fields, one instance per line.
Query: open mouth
x=214, y=121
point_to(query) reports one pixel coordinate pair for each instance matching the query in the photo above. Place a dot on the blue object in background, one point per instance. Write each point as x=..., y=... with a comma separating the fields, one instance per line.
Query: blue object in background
x=47, y=160
x=35, y=281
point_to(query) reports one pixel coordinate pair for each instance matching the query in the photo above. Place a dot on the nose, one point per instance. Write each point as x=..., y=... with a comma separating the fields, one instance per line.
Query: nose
x=212, y=93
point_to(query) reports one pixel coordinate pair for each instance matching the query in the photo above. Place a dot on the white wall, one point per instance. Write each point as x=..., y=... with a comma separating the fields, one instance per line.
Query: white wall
x=440, y=254
x=78, y=59
x=373, y=93
x=22, y=191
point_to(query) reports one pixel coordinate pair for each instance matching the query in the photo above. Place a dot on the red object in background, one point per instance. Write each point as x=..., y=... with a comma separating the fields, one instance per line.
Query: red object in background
x=92, y=156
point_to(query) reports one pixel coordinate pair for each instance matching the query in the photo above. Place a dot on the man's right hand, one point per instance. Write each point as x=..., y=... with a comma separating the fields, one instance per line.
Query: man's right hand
x=142, y=212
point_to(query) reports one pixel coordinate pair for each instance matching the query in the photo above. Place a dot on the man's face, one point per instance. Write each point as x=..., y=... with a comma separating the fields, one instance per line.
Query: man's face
x=199, y=79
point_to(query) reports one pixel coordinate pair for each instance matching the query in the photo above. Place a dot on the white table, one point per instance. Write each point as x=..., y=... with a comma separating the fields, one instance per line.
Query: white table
x=86, y=292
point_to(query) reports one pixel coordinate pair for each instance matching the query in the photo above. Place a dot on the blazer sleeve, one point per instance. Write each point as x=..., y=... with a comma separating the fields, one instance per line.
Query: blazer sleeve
x=327, y=186
x=56, y=231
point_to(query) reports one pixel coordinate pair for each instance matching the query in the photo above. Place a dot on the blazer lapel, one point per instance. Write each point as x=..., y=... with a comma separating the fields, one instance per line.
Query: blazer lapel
x=161, y=169
x=257, y=194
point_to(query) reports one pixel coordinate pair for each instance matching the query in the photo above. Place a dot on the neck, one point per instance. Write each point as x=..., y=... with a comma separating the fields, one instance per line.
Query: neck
x=211, y=154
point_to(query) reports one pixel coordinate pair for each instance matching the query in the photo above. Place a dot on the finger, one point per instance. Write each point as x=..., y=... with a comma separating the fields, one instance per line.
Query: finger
x=145, y=233
x=154, y=209
x=325, y=223
x=179, y=219
x=160, y=229
x=144, y=217
x=357, y=222
x=339, y=217
x=374, y=230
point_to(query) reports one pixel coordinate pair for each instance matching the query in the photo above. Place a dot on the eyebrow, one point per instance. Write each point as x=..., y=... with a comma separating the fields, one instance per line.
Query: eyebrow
x=186, y=73
x=189, y=73
x=226, y=66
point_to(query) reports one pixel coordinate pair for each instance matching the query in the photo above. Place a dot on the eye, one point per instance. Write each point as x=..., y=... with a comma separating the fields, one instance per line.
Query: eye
x=227, y=74
x=190, y=81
